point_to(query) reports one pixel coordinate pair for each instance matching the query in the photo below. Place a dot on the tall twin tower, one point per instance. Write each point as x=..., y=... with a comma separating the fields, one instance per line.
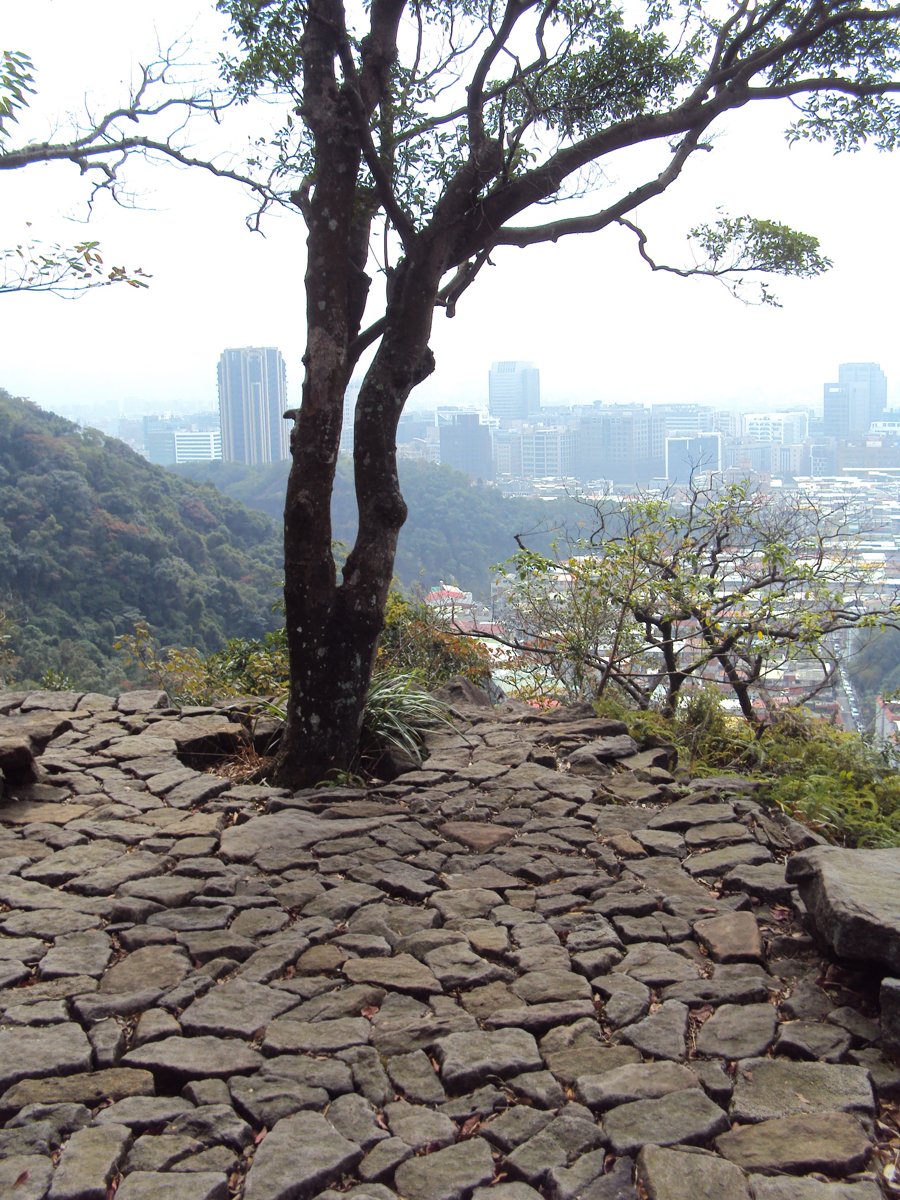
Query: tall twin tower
x=252, y=400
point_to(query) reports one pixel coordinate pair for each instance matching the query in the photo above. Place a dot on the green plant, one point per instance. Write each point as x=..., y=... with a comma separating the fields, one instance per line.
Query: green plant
x=398, y=714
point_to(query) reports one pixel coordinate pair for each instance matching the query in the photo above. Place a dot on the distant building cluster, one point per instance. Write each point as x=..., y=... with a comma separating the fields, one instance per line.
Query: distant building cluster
x=525, y=447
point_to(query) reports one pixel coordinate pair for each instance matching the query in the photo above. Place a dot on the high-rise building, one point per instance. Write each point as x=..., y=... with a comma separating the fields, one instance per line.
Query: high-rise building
x=514, y=391
x=465, y=443
x=855, y=401
x=700, y=453
x=252, y=400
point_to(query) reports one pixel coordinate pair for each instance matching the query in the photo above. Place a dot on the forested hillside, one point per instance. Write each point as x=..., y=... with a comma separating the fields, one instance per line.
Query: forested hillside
x=94, y=538
x=456, y=530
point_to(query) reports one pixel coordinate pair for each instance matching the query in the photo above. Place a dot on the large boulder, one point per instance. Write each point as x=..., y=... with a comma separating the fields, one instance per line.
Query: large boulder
x=853, y=899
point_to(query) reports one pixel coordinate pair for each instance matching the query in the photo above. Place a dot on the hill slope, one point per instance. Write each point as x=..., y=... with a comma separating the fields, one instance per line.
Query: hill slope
x=94, y=538
x=456, y=530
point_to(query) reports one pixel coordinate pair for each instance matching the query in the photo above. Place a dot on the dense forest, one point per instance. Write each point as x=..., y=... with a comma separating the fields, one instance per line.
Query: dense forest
x=457, y=530
x=93, y=538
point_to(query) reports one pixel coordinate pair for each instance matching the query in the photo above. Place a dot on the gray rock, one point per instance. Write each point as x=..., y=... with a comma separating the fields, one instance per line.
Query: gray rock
x=688, y=1117
x=419, y=1127
x=676, y=1175
x=414, y=1076
x=355, y=1118
x=194, y=1058
x=662, y=1035
x=626, y=1000
x=287, y=1036
x=25, y=1176
x=27, y=1053
x=301, y=1155
x=730, y=938
x=150, y=1185
x=153, y=968
x=235, y=1008
x=266, y=1101
x=772, y=1087
x=566, y=1138
x=468, y=1059
x=738, y=1031
x=853, y=901
x=812, y=1189
x=89, y=1160
x=834, y=1143
x=449, y=1174
x=813, y=1040
x=140, y=1113
x=889, y=998
x=400, y=973
x=637, y=1081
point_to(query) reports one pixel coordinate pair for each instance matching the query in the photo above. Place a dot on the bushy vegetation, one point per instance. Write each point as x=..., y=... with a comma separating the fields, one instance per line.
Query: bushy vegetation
x=94, y=539
x=835, y=782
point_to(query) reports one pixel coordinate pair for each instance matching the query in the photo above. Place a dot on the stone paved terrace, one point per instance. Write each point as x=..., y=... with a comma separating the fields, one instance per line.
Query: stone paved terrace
x=538, y=967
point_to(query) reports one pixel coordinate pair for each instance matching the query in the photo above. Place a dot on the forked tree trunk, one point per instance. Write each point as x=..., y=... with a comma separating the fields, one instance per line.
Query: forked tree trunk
x=333, y=627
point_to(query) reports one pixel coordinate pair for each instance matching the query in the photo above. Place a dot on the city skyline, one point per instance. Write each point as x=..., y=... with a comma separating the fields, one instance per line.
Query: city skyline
x=601, y=325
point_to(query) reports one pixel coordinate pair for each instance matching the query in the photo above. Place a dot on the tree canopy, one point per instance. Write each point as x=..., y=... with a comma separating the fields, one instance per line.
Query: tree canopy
x=420, y=137
x=718, y=583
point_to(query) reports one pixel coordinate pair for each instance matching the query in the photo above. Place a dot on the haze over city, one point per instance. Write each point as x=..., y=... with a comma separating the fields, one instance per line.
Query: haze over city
x=601, y=325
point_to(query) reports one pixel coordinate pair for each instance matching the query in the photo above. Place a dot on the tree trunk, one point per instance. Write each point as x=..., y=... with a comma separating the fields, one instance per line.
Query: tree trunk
x=333, y=629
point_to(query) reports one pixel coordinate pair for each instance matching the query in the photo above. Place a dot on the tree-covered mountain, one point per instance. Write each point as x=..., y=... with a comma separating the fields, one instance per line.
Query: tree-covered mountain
x=93, y=538
x=456, y=530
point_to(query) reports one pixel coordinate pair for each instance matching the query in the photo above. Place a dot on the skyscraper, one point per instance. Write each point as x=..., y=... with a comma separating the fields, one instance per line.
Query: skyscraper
x=514, y=391
x=252, y=400
x=855, y=401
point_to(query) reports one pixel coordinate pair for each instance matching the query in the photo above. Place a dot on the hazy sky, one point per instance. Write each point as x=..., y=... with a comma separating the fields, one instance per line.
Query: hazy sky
x=595, y=320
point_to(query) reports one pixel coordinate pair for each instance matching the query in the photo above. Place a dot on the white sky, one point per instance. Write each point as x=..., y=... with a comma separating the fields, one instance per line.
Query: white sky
x=595, y=320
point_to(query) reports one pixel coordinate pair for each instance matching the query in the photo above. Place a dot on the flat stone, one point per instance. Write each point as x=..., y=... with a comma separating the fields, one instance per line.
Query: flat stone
x=468, y=1059
x=420, y=1127
x=714, y=863
x=636, y=1081
x=676, y=1175
x=738, y=1031
x=538, y=987
x=889, y=1001
x=192, y=1185
x=235, y=1008
x=91, y=1089
x=663, y=1034
x=812, y=1189
x=31, y=1053
x=576, y=1050
x=89, y=1160
x=25, y=1176
x=300, y=1156
x=813, y=1040
x=288, y=1036
x=414, y=1076
x=834, y=1143
x=570, y=1135
x=477, y=835
x=853, y=901
x=687, y=1117
x=449, y=1174
x=773, y=1087
x=194, y=1058
x=732, y=937
x=153, y=968
x=399, y=973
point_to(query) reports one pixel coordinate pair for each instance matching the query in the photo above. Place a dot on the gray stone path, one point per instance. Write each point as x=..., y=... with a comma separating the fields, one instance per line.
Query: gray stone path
x=539, y=966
